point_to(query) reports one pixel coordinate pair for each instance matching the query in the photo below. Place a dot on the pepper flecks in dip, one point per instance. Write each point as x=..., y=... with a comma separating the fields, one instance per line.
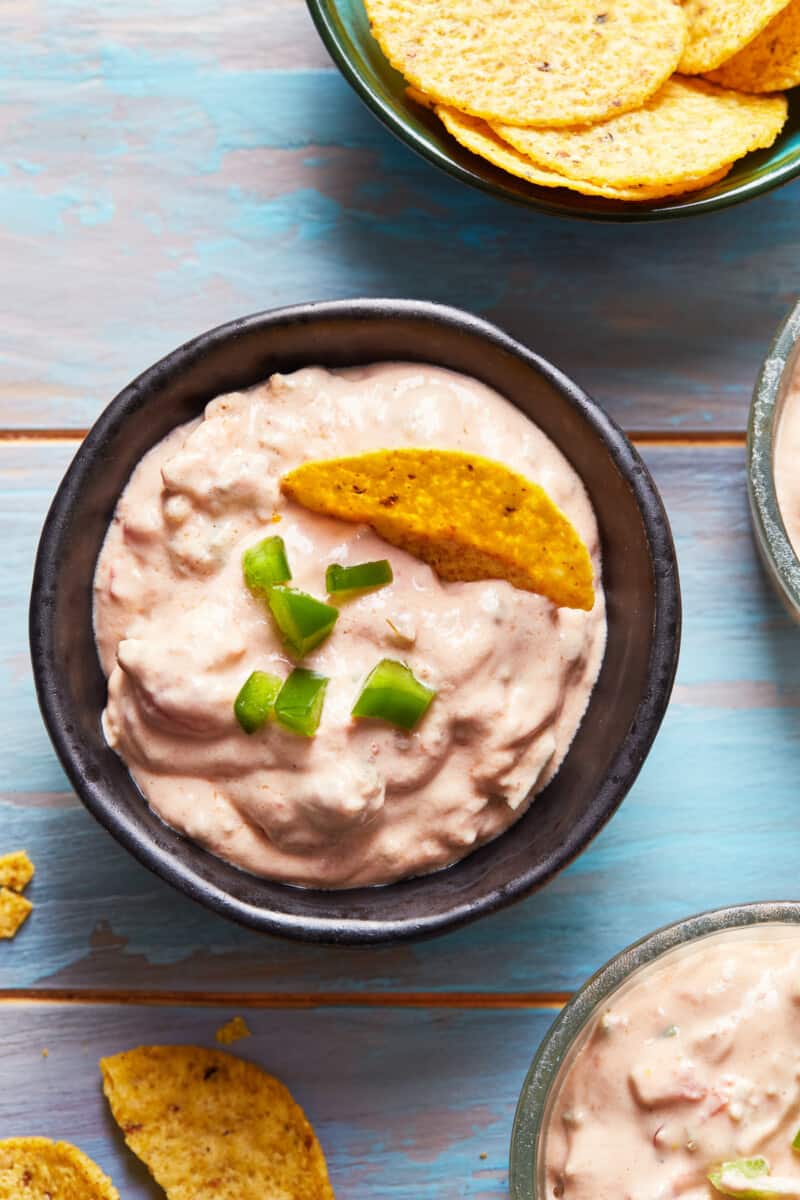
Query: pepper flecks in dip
x=180, y=633
x=689, y=1074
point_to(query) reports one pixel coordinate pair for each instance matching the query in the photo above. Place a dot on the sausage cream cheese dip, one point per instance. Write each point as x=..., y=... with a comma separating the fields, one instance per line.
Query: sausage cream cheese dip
x=787, y=463
x=691, y=1070
x=178, y=633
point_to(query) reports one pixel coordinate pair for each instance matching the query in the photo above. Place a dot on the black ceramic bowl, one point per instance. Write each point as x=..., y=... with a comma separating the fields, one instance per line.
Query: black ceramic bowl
x=626, y=708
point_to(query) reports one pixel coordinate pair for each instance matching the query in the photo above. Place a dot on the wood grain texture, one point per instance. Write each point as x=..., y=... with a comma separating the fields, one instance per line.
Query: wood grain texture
x=166, y=167
x=405, y=1104
x=713, y=818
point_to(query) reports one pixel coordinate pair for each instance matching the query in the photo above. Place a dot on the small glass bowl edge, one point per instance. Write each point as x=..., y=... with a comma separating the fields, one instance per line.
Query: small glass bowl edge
x=779, y=558
x=532, y=1108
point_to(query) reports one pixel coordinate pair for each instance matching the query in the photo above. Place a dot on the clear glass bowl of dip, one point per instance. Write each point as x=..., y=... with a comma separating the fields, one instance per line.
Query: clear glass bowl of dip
x=779, y=558
x=566, y=1035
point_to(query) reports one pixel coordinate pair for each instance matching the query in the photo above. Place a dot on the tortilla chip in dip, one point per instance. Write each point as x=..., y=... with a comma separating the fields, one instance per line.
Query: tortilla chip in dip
x=467, y=517
x=210, y=1126
x=555, y=62
x=35, y=1168
x=690, y=128
x=718, y=29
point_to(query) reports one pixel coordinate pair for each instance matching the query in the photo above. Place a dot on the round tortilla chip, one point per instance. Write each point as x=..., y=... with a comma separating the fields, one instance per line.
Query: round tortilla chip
x=209, y=1126
x=718, y=29
x=37, y=1169
x=771, y=62
x=689, y=129
x=480, y=138
x=546, y=62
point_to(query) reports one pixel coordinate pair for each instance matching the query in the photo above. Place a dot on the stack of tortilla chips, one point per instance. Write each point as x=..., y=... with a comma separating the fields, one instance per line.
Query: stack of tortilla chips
x=627, y=99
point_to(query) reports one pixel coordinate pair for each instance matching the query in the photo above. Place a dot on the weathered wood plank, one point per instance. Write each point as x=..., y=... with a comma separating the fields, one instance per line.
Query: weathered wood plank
x=713, y=818
x=406, y=1104
x=184, y=164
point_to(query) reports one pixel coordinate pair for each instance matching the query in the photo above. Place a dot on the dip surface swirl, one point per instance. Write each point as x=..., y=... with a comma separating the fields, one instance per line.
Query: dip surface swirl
x=178, y=633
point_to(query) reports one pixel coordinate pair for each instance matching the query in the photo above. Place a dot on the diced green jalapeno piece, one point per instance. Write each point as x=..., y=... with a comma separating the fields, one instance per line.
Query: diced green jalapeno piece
x=359, y=578
x=796, y=1141
x=392, y=693
x=299, y=703
x=265, y=564
x=255, y=703
x=734, y=1178
x=303, y=620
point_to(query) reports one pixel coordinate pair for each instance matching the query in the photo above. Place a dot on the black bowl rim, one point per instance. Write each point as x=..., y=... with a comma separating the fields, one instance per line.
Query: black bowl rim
x=591, y=209
x=634, y=747
x=573, y=1018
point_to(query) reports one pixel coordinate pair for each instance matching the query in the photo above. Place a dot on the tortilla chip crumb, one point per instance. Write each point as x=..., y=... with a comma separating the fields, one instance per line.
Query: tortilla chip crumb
x=232, y=1031
x=16, y=870
x=45, y=1053
x=14, y=911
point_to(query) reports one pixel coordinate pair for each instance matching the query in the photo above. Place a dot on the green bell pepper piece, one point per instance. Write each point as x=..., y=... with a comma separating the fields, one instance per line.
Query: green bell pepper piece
x=303, y=620
x=299, y=703
x=359, y=578
x=265, y=564
x=255, y=703
x=392, y=693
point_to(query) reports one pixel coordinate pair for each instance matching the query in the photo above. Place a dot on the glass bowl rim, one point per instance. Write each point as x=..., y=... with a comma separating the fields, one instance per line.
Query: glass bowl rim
x=528, y=1126
x=770, y=390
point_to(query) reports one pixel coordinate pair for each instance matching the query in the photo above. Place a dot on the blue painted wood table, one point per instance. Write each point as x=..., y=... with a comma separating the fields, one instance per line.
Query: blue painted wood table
x=166, y=165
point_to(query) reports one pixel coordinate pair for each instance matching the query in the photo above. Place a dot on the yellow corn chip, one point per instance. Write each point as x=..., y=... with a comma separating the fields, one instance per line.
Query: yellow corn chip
x=209, y=1126
x=34, y=1168
x=232, y=1031
x=466, y=516
x=555, y=62
x=480, y=138
x=771, y=61
x=14, y=911
x=16, y=871
x=718, y=29
x=689, y=129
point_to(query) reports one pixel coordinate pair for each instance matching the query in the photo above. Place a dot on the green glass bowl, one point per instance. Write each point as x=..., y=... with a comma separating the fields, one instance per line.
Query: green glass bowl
x=344, y=28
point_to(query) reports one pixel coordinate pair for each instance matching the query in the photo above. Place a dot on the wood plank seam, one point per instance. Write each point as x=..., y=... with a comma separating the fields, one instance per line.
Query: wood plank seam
x=682, y=438
x=288, y=1000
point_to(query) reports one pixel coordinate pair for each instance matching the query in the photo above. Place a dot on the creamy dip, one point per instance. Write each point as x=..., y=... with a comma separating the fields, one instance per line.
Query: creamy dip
x=178, y=633
x=695, y=1063
x=786, y=464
